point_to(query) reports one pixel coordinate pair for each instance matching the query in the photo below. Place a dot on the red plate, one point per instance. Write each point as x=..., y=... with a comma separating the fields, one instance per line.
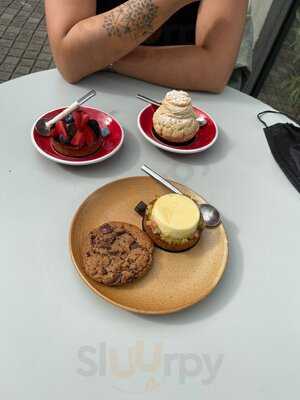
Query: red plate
x=112, y=143
x=205, y=137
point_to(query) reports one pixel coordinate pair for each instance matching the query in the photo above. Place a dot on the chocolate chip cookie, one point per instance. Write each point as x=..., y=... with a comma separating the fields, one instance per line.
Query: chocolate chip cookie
x=117, y=253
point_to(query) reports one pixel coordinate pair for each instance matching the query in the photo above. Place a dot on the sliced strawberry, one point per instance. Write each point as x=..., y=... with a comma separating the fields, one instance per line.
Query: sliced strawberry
x=78, y=139
x=54, y=132
x=89, y=136
x=77, y=115
x=61, y=130
x=84, y=120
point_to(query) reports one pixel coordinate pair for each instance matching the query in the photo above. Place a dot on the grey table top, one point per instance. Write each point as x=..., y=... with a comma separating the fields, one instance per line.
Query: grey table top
x=59, y=340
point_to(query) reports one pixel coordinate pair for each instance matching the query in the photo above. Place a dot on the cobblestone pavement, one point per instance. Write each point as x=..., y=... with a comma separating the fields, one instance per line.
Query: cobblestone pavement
x=281, y=88
x=24, y=45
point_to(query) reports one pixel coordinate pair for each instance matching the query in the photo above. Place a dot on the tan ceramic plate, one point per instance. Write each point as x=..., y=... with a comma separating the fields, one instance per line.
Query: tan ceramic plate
x=176, y=281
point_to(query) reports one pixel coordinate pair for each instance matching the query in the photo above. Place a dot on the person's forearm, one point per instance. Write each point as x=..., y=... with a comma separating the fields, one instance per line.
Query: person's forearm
x=92, y=44
x=178, y=67
x=207, y=65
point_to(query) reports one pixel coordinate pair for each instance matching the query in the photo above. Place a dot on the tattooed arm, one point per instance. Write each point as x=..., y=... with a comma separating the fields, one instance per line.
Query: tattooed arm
x=83, y=43
x=207, y=65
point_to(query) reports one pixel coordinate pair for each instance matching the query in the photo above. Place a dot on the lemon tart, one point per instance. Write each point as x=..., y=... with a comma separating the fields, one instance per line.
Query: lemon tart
x=173, y=222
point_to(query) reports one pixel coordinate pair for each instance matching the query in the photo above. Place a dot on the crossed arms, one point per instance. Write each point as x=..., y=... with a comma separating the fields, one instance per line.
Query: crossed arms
x=83, y=43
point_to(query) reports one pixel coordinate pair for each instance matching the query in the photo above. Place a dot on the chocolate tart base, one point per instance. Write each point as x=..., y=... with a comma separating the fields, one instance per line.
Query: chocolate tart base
x=75, y=151
x=186, y=143
x=173, y=248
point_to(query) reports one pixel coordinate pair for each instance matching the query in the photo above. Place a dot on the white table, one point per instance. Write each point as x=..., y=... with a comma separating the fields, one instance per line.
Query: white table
x=247, y=330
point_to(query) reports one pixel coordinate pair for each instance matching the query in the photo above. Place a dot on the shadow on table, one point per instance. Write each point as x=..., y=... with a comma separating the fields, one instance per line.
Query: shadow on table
x=209, y=157
x=221, y=296
x=115, y=166
x=183, y=168
x=115, y=84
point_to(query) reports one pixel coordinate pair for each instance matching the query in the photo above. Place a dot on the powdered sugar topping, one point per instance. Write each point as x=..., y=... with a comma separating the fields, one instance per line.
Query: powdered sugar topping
x=178, y=97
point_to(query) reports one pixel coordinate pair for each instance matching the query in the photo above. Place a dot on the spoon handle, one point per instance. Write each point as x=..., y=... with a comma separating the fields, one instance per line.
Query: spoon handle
x=160, y=179
x=71, y=108
x=62, y=115
x=148, y=100
x=87, y=97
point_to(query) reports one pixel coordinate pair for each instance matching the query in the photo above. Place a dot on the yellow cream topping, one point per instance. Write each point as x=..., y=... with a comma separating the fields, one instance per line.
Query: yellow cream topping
x=176, y=216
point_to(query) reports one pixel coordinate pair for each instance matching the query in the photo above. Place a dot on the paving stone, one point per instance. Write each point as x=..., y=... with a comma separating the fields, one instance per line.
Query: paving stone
x=43, y=28
x=34, y=20
x=44, y=57
x=29, y=27
x=23, y=38
x=13, y=29
x=9, y=68
x=2, y=58
x=9, y=35
x=4, y=76
x=19, y=20
x=47, y=48
x=24, y=13
x=4, y=50
x=42, y=64
x=11, y=11
x=25, y=62
x=31, y=54
x=23, y=70
x=37, y=69
x=16, y=75
x=40, y=34
x=12, y=60
x=34, y=46
x=5, y=17
x=17, y=5
x=6, y=42
x=25, y=35
x=38, y=40
x=15, y=52
x=20, y=45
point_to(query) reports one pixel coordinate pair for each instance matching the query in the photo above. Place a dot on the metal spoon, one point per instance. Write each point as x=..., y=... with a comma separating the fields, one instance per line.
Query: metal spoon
x=211, y=215
x=43, y=127
x=202, y=121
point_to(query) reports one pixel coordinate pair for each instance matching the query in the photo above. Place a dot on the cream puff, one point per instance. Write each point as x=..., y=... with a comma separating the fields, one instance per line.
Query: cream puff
x=175, y=121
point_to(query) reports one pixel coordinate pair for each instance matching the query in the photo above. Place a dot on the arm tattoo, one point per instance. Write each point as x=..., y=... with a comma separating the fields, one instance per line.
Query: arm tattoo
x=134, y=18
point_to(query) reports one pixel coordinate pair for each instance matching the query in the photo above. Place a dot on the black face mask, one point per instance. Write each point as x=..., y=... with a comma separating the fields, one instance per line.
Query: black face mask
x=284, y=142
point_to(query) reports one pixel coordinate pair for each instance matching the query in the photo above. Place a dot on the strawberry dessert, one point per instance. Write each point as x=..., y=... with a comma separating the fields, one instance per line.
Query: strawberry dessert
x=77, y=135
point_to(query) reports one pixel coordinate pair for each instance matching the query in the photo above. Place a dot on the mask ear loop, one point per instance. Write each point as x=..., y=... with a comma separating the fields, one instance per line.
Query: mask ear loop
x=261, y=114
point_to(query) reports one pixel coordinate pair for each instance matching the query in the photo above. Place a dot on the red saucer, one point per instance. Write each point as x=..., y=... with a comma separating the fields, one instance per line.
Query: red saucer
x=112, y=143
x=205, y=137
